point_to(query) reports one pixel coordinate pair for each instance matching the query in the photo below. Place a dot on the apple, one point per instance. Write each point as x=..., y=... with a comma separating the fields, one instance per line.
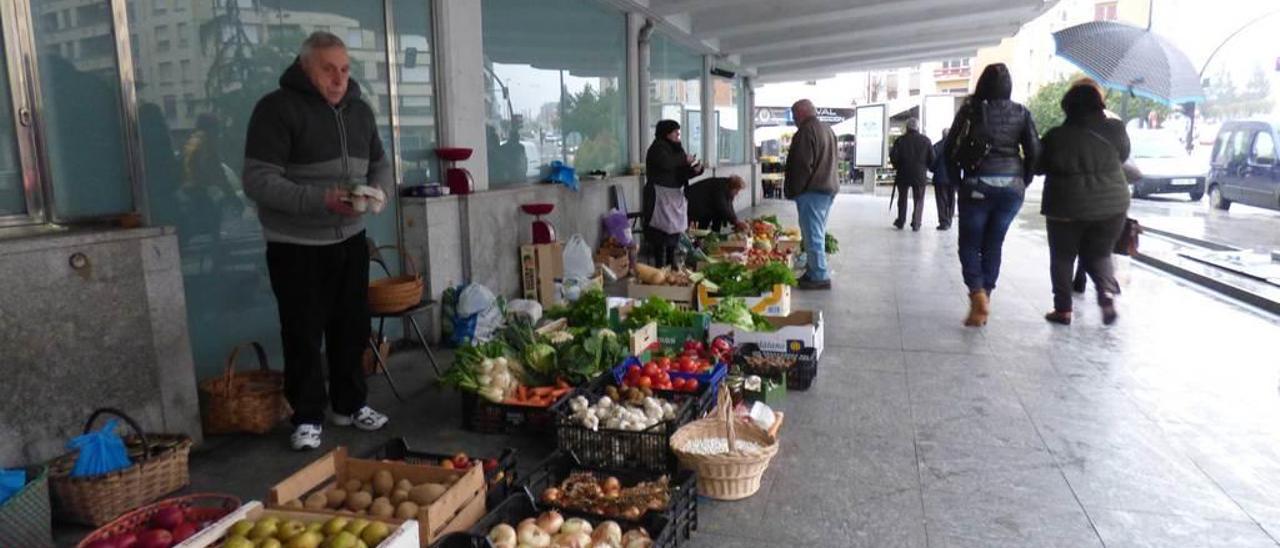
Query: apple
x=155, y=538
x=357, y=526
x=168, y=518
x=375, y=533
x=237, y=541
x=126, y=540
x=104, y=543
x=290, y=529
x=490, y=465
x=184, y=531
x=308, y=539
x=263, y=530
x=241, y=528
x=269, y=543
x=334, y=526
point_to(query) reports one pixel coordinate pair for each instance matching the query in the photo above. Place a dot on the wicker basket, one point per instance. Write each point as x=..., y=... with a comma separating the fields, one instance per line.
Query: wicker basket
x=728, y=476
x=25, y=519
x=396, y=293
x=199, y=508
x=159, y=468
x=251, y=401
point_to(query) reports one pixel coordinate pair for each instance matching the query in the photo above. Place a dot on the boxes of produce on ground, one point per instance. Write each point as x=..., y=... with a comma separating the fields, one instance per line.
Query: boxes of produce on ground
x=767, y=289
x=786, y=244
x=680, y=375
x=519, y=521
x=797, y=368
x=675, y=325
x=508, y=387
x=791, y=333
x=168, y=522
x=622, y=428
x=540, y=266
x=442, y=500
x=562, y=481
x=674, y=286
x=252, y=525
x=620, y=265
x=499, y=473
x=485, y=417
x=776, y=302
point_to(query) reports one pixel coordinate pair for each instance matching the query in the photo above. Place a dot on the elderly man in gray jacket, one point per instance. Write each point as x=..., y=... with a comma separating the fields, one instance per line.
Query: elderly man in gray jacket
x=811, y=182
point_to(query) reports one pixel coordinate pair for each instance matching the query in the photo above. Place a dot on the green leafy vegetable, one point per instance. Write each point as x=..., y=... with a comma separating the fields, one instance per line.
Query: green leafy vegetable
x=832, y=245
x=590, y=355
x=590, y=310
x=657, y=309
x=466, y=372
x=769, y=275
x=733, y=311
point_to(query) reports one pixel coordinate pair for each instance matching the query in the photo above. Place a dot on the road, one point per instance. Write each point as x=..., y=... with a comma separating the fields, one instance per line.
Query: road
x=1242, y=226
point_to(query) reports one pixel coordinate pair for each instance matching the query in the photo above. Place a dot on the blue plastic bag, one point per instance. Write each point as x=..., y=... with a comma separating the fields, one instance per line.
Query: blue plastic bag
x=11, y=481
x=100, y=452
x=564, y=175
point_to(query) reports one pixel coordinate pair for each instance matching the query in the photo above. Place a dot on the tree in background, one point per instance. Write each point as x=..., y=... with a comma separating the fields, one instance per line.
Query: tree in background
x=1047, y=111
x=1224, y=101
x=594, y=116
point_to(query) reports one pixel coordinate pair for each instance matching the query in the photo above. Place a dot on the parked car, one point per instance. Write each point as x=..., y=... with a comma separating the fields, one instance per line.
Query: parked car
x=1166, y=168
x=1244, y=167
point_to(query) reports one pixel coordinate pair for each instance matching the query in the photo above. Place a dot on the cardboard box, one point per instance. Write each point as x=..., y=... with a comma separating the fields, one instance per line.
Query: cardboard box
x=540, y=266
x=773, y=303
x=643, y=340
x=795, y=331
x=680, y=296
x=458, y=509
x=787, y=245
x=404, y=533
x=670, y=337
x=620, y=266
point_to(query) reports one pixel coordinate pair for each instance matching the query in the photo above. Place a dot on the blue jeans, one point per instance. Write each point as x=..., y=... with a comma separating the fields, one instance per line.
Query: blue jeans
x=813, y=208
x=983, y=224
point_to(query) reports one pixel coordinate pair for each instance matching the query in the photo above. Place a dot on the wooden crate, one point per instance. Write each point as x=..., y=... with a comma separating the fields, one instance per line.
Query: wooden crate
x=404, y=533
x=460, y=507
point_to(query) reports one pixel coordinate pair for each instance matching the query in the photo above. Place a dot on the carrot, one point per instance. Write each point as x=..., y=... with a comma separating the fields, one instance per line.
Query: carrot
x=560, y=391
x=521, y=392
x=560, y=383
x=542, y=391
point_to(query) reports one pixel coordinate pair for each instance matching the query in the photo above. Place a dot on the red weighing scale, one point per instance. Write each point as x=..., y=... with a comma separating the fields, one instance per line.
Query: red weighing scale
x=458, y=179
x=543, y=232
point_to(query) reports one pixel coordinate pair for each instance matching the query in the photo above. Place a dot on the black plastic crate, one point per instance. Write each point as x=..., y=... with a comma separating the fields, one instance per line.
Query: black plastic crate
x=485, y=417
x=800, y=376
x=682, y=509
x=502, y=481
x=521, y=506
x=644, y=450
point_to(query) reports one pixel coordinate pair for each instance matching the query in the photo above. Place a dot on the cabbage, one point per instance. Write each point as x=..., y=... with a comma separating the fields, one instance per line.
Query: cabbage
x=733, y=311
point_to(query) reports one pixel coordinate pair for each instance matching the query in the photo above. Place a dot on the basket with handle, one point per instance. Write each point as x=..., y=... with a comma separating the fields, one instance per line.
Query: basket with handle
x=201, y=509
x=244, y=401
x=159, y=468
x=25, y=519
x=728, y=476
x=396, y=293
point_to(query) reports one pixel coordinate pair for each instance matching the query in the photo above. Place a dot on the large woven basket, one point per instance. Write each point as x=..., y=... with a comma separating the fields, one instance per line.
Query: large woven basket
x=729, y=476
x=199, y=508
x=396, y=293
x=25, y=519
x=159, y=468
x=249, y=401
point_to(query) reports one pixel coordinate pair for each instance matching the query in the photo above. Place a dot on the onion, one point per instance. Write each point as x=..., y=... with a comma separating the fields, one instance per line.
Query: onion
x=574, y=525
x=502, y=534
x=550, y=522
x=551, y=494
x=611, y=484
x=528, y=533
x=608, y=532
x=632, y=513
x=572, y=540
x=636, y=538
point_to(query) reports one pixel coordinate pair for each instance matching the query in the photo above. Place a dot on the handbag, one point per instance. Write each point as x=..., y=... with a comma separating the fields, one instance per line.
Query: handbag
x=1127, y=244
x=971, y=145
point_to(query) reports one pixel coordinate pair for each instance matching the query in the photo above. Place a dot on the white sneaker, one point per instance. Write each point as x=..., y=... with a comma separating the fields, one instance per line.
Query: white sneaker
x=365, y=419
x=305, y=436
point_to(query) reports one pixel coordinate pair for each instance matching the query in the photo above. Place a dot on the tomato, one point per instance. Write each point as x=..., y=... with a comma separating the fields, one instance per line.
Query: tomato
x=633, y=370
x=677, y=384
x=687, y=364
x=664, y=362
x=663, y=386
x=662, y=378
x=691, y=385
x=651, y=369
x=644, y=382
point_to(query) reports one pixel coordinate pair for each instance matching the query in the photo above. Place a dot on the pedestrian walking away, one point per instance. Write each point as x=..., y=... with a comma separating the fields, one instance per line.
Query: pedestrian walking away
x=911, y=155
x=992, y=151
x=1086, y=199
x=811, y=181
x=944, y=189
x=312, y=154
x=667, y=172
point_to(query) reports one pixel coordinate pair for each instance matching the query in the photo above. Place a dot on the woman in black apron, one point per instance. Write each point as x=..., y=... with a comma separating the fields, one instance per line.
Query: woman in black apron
x=667, y=172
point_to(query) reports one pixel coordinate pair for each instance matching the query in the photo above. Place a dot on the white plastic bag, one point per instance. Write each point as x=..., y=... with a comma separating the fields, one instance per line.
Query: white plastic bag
x=474, y=299
x=578, y=261
x=526, y=308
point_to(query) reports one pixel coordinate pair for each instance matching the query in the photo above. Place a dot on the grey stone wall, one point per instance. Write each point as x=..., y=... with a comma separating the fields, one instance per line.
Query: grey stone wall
x=110, y=331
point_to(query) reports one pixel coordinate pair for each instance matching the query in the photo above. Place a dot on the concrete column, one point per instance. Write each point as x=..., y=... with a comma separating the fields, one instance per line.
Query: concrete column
x=460, y=82
x=637, y=90
x=709, y=128
x=749, y=103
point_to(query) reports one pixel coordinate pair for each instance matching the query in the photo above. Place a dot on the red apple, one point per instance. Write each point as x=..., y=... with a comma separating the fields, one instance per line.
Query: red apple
x=126, y=540
x=155, y=538
x=184, y=531
x=168, y=518
x=105, y=543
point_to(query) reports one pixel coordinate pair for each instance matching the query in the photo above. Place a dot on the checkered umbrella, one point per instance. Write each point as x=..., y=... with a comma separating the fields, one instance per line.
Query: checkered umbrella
x=1124, y=57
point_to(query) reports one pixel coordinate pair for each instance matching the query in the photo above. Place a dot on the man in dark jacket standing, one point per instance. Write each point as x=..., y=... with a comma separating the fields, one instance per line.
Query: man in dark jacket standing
x=310, y=144
x=912, y=154
x=811, y=181
x=944, y=189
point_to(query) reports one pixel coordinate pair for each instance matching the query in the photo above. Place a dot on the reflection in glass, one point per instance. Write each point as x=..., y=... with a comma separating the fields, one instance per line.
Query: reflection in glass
x=417, y=92
x=553, y=94
x=675, y=89
x=13, y=199
x=83, y=129
x=728, y=102
x=194, y=148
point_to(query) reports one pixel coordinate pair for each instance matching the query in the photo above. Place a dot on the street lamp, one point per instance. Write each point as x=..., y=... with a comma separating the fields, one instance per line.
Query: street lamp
x=1191, y=107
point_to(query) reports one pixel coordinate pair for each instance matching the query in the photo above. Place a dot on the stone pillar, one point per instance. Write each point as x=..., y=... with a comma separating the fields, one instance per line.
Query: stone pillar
x=460, y=82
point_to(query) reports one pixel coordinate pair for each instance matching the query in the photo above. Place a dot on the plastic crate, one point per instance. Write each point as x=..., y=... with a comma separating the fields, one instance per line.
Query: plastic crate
x=708, y=383
x=485, y=417
x=501, y=482
x=521, y=506
x=682, y=509
x=645, y=450
x=799, y=376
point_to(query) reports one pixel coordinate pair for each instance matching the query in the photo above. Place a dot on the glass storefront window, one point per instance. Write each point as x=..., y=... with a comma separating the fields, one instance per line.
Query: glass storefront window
x=417, y=105
x=675, y=90
x=194, y=148
x=555, y=80
x=13, y=197
x=730, y=139
x=83, y=129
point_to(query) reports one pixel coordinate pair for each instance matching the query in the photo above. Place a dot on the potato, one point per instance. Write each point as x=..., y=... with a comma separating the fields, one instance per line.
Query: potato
x=399, y=495
x=335, y=497
x=407, y=510
x=381, y=508
x=315, y=501
x=295, y=503
x=351, y=486
x=403, y=485
x=383, y=483
x=426, y=493
x=359, y=500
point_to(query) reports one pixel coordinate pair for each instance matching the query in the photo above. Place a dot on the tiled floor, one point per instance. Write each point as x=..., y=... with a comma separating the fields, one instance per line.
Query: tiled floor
x=1159, y=431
